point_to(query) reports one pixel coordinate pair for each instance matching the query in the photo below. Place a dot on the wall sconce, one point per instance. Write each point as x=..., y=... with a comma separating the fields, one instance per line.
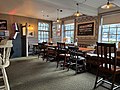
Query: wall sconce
x=30, y=27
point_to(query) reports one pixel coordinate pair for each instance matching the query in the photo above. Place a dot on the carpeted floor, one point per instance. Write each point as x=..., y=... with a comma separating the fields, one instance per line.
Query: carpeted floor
x=36, y=74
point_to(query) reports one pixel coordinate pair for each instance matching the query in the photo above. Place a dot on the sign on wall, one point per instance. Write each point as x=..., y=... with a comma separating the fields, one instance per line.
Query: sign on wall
x=86, y=29
x=3, y=24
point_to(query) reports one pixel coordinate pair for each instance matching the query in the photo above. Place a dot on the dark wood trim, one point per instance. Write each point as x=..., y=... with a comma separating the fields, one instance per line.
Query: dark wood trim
x=75, y=28
x=109, y=12
x=51, y=32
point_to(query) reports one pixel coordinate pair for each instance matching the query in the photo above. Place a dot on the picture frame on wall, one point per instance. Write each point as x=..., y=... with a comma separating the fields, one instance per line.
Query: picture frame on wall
x=3, y=24
x=86, y=29
x=31, y=33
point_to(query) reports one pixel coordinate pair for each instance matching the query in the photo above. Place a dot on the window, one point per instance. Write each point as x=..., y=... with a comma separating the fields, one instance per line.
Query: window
x=111, y=33
x=43, y=32
x=69, y=33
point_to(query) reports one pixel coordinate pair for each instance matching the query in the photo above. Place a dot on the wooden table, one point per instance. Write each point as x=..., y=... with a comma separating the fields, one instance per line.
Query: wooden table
x=86, y=49
x=51, y=45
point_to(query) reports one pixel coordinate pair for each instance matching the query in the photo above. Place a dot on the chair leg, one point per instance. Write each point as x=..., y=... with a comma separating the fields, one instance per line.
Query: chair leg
x=113, y=81
x=47, y=58
x=69, y=66
x=7, y=87
x=96, y=79
x=57, y=64
x=84, y=65
x=76, y=68
x=64, y=63
x=38, y=55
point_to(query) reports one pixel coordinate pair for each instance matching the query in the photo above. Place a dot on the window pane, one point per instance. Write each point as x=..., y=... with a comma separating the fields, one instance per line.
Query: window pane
x=113, y=25
x=69, y=32
x=112, y=30
x=105, y=37
x=112, y=38
x=43, y=33
x=105, y=26
x=106, y=30
x=111, y=33
x=118, y=30
x=118, y=25
x=118, y=37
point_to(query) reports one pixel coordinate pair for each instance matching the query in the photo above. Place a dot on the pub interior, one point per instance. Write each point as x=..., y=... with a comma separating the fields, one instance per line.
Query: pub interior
x=59, y=45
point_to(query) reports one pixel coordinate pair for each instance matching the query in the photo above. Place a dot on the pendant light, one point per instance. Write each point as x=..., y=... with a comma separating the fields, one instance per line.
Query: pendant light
x=77, y=14
x=58, y=19
x=108, y=5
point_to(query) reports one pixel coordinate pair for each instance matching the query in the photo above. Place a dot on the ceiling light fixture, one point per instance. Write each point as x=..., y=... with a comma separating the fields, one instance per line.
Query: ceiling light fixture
x=58, y=19
x=77, y=13
x=108, y=5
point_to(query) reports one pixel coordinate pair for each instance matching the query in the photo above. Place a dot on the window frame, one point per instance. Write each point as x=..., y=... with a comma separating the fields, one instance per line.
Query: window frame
x=116, y=34
x=43, y=28
x=70, y=28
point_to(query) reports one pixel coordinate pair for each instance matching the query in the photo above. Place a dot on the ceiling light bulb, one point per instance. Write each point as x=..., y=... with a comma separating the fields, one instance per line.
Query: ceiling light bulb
x=58, y=20
x=77, y=14
x=108, y=6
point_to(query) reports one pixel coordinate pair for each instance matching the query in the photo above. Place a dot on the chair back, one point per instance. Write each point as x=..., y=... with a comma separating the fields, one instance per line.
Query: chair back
x=60, y=45
x=44, y=42
x=40, y=45
x=44, y=45
x=5, y=52
x=106, y=53
x=73, y=52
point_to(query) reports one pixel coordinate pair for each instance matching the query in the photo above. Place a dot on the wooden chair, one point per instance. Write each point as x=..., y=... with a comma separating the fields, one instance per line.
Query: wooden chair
x=106, y=58
x=60, y=45
x=77, y=59
x=5, y=50
x=44, y=48
x=62, y=54
x=51, y=53
x=40, y=49
x=91, y=60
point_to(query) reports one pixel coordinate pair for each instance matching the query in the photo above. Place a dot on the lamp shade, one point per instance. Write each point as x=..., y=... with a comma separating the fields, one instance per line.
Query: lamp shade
x=108, y=5
x=58, y=20
x=77, y=13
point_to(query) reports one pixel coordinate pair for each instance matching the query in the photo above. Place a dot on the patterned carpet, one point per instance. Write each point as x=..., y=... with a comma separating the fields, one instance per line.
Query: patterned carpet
x=35, y=74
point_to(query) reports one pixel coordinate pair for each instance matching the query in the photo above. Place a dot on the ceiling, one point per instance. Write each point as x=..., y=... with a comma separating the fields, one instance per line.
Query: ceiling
x=47, y=9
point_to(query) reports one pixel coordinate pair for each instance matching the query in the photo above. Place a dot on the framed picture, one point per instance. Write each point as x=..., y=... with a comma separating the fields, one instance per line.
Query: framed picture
x=30, y=33
x=3, y=24
x=86, y=29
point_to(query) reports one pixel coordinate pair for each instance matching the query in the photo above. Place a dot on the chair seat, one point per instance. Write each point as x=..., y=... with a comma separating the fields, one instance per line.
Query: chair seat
x=51, y=52
x=108, y=70
x=118, y=57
